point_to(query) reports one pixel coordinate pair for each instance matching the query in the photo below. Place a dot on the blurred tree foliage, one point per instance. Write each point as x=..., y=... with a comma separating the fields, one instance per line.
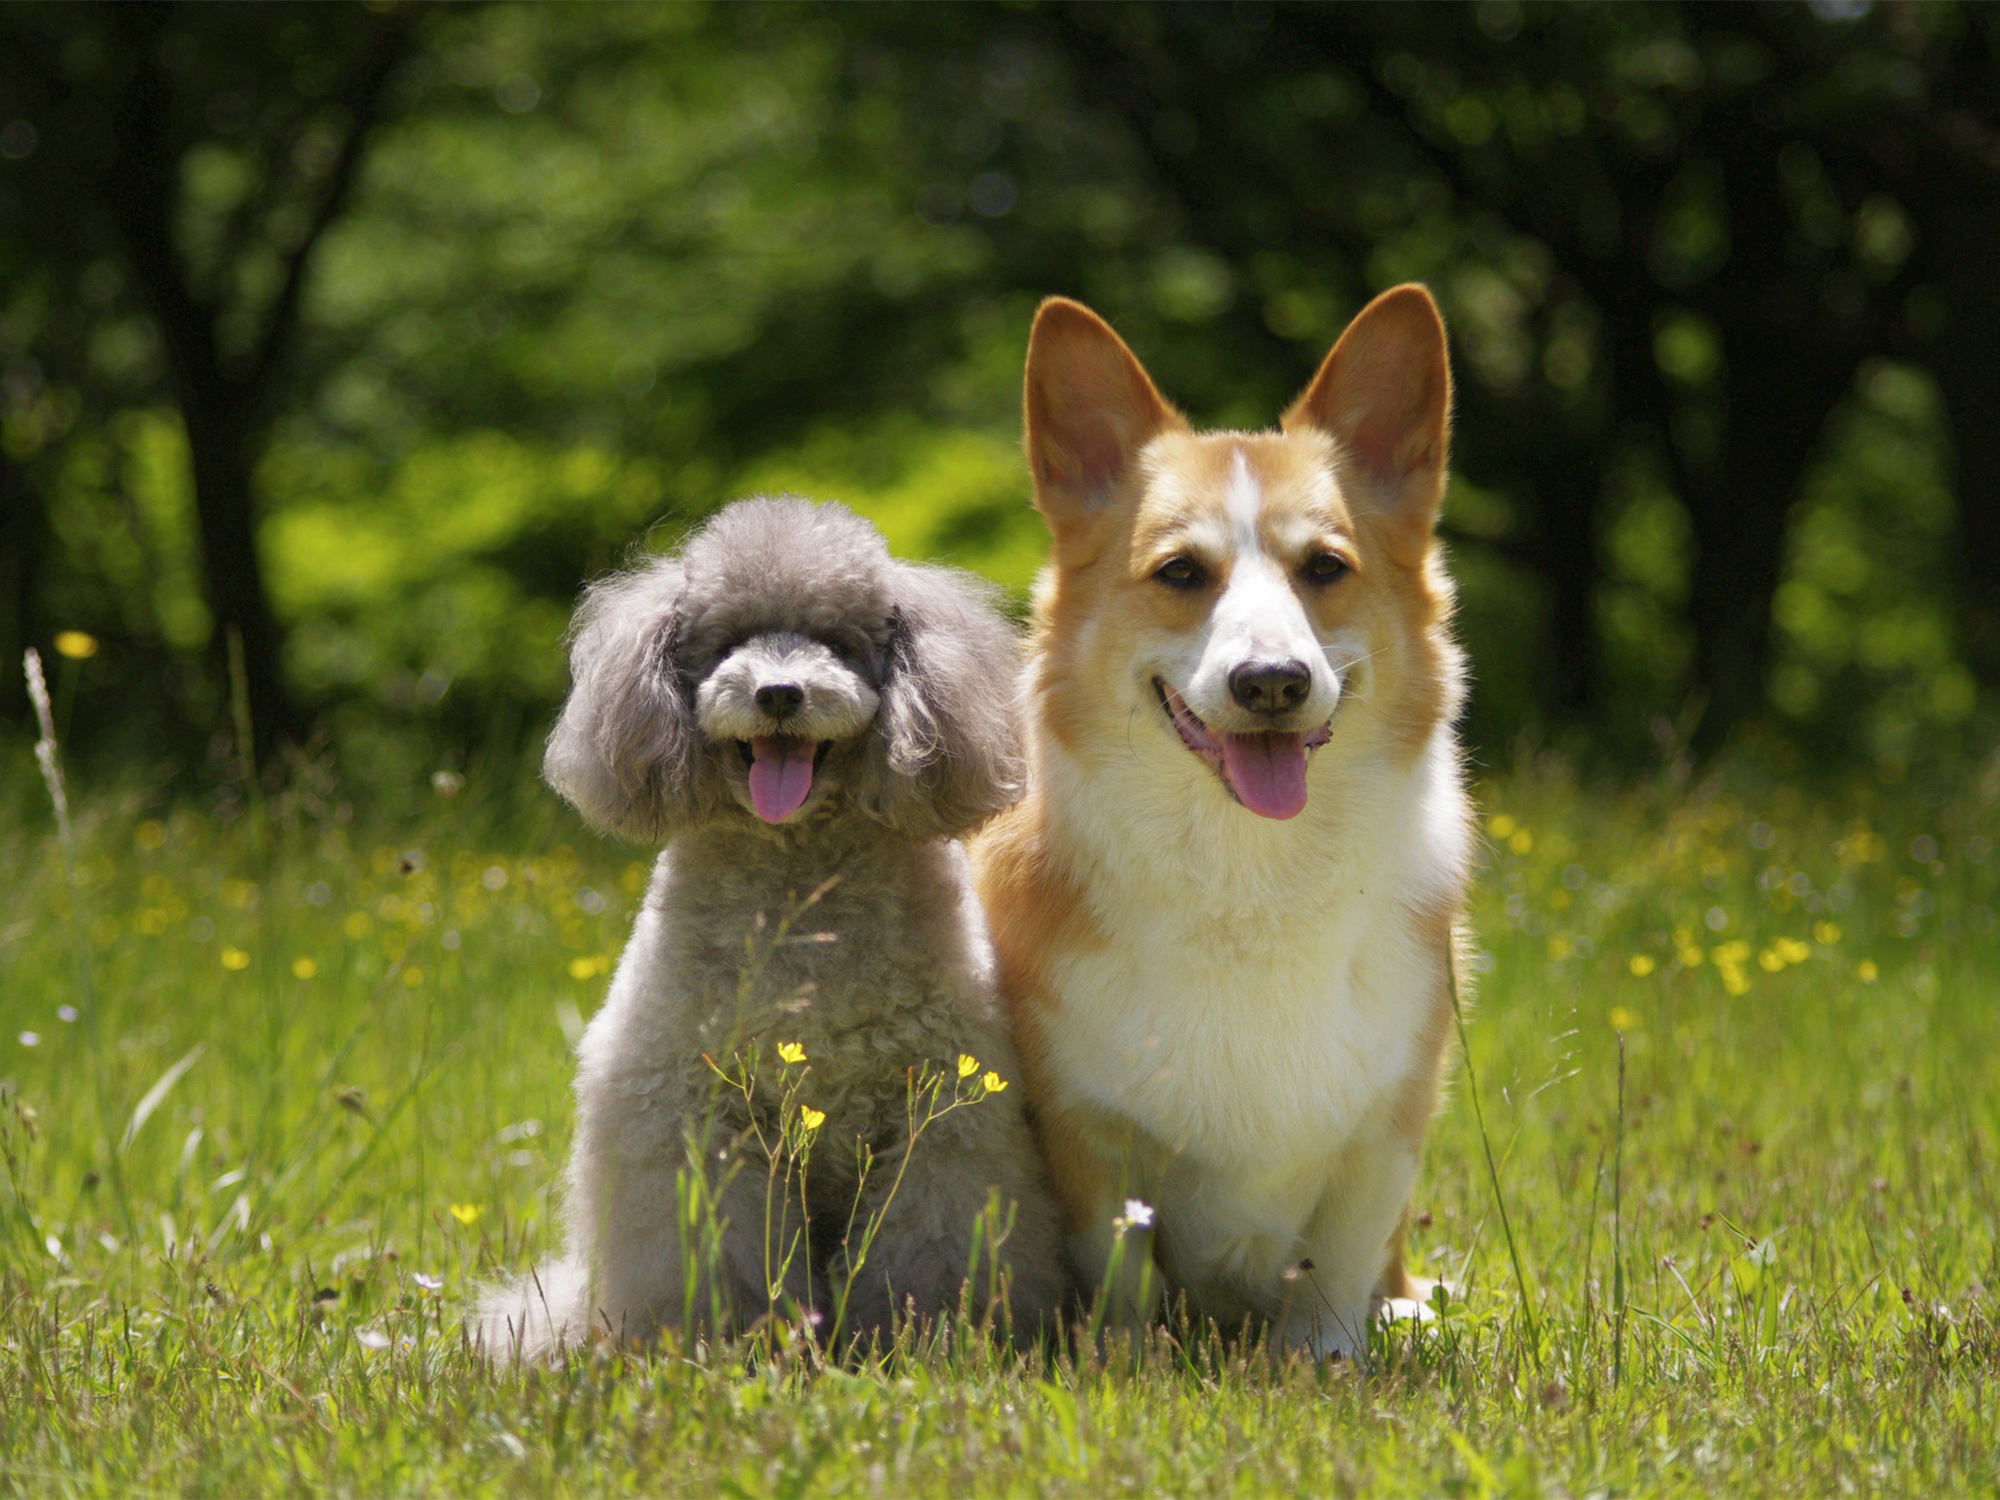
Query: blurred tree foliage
x=374, y=331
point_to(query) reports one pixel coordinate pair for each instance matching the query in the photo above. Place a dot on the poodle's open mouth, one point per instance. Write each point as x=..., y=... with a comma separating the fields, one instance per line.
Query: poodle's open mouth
x=781, y=772
x=1264, y=770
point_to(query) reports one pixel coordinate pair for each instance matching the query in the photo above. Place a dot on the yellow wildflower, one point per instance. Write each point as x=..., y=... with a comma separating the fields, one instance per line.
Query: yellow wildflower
x=1691, y=957
x=1792, y=951
x=1770, y=961
x=304, y=968
x=235, y=959
x=1826, y=934
x=1641, y=965
x=1501, y=826
x=791, y=1052
x=967, y=1065
x=582, y=968
x=1866, y=971
x=76, y=645
x=1625, y=1020
x=465, y=1213
x=813, y=1118
x=994, y=1083
x=1522, y=841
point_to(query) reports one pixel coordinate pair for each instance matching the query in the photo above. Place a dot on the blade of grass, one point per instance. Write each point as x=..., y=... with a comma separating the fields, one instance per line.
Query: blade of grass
x=1492, y=1169
x=1618, y=1231
x=156, y=1095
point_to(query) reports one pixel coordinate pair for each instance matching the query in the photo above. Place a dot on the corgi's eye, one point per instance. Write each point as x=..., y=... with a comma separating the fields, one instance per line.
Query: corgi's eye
x=1325, y=567
x=1181, y=573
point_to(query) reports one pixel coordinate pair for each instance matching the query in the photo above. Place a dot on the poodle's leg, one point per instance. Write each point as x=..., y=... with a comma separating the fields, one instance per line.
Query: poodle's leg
x=642, y=1241
x=659, y=1259
x=764, y=1249
x=922, y=1248
x=628, y=1175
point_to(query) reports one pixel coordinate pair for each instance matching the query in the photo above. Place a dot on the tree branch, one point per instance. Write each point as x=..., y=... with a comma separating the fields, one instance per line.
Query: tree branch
x=363, y=101
x=141, y=205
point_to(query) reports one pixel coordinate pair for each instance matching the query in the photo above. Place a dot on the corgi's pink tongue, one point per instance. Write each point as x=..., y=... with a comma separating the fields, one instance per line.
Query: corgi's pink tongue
x=781, y=774
x=1268, y=772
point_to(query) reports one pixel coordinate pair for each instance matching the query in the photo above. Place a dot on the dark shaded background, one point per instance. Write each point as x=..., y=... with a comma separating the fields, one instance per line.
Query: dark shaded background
x=369, y=332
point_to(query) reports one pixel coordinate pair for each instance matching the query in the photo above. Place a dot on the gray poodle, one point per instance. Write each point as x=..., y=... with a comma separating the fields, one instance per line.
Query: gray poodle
x=784, y=705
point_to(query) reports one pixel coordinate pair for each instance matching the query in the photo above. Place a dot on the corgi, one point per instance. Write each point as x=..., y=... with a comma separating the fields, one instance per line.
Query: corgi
x=1226, y=912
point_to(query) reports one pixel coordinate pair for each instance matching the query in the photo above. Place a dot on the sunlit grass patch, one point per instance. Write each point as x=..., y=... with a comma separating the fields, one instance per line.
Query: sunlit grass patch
x=332, y=1095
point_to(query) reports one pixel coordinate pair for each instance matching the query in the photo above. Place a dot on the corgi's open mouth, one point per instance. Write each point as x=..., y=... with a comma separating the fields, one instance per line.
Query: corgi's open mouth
x=781, y=772
x=1265, y=770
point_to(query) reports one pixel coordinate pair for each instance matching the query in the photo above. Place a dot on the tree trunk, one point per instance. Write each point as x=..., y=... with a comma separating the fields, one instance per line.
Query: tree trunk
x=220, y=448
x=227, y=404
x=1967, y=366
x=1739, y=526
x=1566, y=482
x=24, y=535
x=1789, y=361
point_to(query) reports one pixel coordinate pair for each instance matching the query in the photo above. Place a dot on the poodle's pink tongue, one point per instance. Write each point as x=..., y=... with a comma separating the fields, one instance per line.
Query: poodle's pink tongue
x=1268, y=771
x=781, y=774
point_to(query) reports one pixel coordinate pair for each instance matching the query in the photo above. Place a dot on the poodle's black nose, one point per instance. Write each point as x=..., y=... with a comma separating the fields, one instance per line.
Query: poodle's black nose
x=780, y=699
x=1270, y=687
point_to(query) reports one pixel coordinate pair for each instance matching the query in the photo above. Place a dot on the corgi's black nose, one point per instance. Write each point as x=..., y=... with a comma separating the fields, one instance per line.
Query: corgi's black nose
x=1270, y=687
x=780, y=699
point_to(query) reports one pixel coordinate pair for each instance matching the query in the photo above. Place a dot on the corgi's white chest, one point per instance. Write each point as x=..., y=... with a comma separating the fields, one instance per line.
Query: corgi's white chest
x=1261, y=991
x=1234, y=1054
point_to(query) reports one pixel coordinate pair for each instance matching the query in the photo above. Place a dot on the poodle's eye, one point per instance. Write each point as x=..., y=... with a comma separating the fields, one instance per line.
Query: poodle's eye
x=1181, y=573
x=1325, y=567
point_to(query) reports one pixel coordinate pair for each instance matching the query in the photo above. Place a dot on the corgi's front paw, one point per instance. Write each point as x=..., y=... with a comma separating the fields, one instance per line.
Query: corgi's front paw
x=1327, y=1336
x=1403, y=1310
x=1419, y=1307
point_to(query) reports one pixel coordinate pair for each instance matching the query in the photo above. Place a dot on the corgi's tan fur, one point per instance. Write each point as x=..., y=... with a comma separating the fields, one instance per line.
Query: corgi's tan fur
x=1238, y=1018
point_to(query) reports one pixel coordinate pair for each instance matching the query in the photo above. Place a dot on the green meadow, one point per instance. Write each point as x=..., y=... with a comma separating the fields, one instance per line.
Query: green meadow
x=284, y=1079
x=341, y=345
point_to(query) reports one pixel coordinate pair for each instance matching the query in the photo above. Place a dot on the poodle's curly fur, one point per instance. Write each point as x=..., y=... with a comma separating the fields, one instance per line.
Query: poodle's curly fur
x=783, y=623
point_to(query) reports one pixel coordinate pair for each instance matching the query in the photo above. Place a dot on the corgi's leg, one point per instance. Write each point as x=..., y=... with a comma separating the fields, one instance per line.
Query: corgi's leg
x=1400, y=1293
x=1348, y=1240
x=1101, y=1179
x=1113, y=1255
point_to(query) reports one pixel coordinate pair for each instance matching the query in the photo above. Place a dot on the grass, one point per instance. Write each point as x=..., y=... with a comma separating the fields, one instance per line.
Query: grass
x=336, y=1059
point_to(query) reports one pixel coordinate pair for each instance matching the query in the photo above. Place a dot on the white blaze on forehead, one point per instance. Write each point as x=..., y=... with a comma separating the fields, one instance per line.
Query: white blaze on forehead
x=1245, y=501
x=1258, y=614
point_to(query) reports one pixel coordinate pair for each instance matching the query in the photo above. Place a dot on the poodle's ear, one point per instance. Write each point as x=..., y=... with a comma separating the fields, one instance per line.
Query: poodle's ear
x=626, y=752
x=946, y=751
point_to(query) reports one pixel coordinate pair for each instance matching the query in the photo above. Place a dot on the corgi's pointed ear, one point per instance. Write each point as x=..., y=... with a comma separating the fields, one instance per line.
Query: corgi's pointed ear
x=1089, y=407
x=1385, y=394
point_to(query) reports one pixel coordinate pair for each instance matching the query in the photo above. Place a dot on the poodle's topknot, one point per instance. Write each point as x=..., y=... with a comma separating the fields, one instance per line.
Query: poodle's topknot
x=782, y=563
